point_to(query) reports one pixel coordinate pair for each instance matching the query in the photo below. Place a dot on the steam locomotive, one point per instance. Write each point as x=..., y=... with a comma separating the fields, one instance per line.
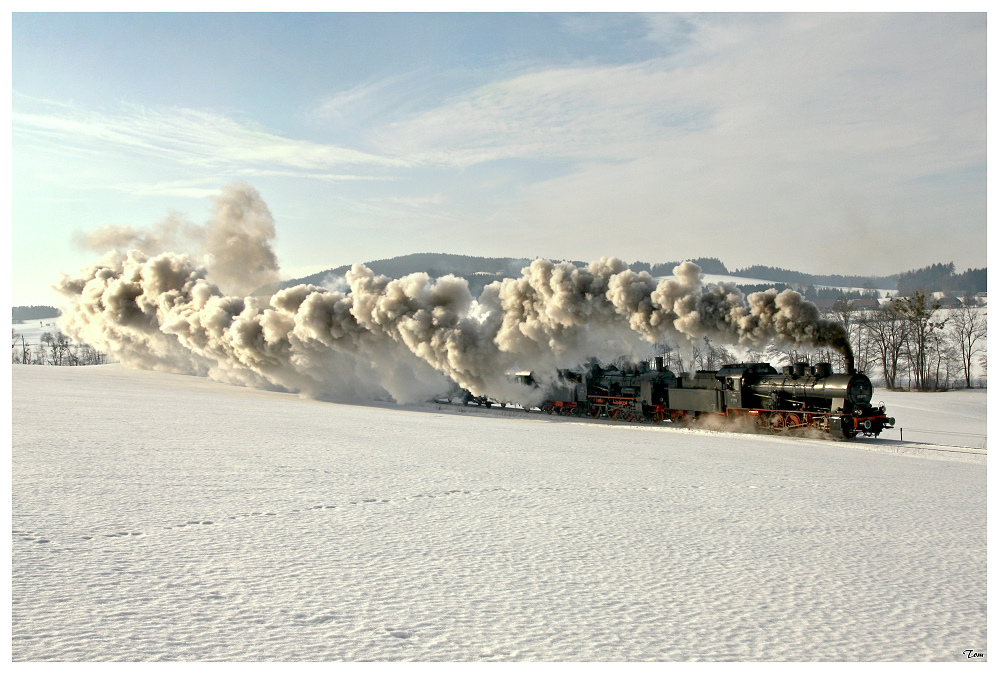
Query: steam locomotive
x=799, y=398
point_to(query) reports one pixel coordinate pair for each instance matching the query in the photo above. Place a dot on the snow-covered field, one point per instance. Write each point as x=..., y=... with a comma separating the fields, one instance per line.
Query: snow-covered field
x=166, y=517
x=953, y=419
x=33, y=330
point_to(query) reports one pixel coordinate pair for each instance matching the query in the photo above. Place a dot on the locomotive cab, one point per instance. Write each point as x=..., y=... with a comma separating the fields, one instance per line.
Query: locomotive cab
x=735, y=381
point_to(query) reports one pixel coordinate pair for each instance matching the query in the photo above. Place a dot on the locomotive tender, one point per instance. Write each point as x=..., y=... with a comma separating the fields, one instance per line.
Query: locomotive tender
x=799, y=398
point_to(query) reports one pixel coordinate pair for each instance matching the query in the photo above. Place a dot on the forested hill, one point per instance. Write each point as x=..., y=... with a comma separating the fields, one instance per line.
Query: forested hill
x=482, y=270
x=941, y=277
x=788, y=276
x=33, y=313
x=435, y=264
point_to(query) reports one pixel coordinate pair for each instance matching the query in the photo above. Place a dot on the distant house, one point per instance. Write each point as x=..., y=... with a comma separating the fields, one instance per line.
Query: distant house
x=865, y=304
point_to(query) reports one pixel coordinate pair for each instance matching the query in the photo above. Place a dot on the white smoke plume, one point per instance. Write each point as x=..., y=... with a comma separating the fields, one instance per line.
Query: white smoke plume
x=235, y=245
x=237, y=241
x=402, y=337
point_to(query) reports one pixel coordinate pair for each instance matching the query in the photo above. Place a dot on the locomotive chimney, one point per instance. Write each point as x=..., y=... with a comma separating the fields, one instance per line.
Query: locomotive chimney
x=844, y=347
x=660, y=363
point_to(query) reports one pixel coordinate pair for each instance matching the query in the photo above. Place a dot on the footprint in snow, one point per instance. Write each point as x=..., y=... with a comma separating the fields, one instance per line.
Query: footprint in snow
x=399, y=634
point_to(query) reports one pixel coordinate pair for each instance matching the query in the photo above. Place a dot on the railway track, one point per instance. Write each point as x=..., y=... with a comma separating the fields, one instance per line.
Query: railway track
x=880, y=444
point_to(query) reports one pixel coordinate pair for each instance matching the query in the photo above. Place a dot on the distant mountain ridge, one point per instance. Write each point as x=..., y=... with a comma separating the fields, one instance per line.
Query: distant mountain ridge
x=435, y=264
x=780, y=275
x=479, y=271
x=33, y=313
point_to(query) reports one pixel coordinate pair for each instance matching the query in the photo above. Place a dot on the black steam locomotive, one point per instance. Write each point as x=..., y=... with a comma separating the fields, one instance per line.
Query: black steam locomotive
x=799, y=398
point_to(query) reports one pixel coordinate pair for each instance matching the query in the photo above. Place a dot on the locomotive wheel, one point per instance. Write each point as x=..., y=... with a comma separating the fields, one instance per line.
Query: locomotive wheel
x=548, y=407
x=657, y=418
x=594, y=411
x=575, y=411
x=777, y=423
x=614, y=414
x=794, y=424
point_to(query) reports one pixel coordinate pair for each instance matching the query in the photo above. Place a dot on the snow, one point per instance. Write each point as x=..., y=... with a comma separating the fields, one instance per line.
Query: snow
x=168, y=517
x=952, y=418
x=33, y=330
x=746, y=280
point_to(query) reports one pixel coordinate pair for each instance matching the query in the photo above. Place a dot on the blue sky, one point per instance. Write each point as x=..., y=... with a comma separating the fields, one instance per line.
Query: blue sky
x=828, y=143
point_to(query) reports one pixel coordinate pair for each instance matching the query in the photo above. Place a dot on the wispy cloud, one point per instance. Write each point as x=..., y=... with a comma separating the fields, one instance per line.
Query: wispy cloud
x=575, y=113
x=786, y=88
x=346, y=103
x=193, y=138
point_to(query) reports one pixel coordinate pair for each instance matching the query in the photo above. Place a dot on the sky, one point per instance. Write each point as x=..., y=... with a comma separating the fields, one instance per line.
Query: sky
x=825, y=143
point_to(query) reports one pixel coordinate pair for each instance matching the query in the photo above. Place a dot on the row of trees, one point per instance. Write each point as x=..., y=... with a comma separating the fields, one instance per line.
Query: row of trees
x=907, y=343
x=54, y=349
x=915, y=344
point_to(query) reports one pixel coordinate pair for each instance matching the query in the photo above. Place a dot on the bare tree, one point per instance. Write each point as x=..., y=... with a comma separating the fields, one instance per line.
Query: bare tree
x=886, y=330
x=855, y=322
x=970, y=325
x=716, y=355
x=919, y=311
x=680, y=359
x=865, y=352
x=785, y=353
x=54, y=349
x=941, y=358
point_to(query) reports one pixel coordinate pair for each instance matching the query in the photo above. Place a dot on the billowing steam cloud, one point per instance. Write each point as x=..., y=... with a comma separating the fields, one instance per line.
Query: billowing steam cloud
x=235, y=245
x=402, y=336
